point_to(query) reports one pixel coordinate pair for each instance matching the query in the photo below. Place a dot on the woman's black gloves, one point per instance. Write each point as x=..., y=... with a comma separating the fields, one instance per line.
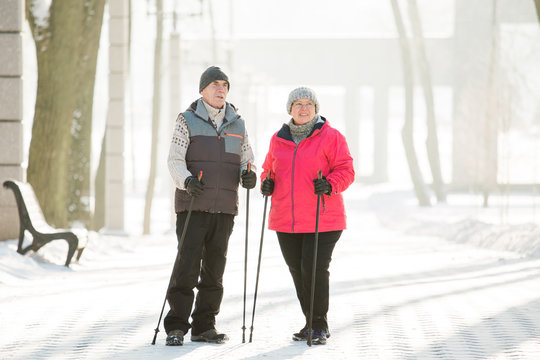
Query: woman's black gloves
x=322, y=186
x=193, y=186
x=267, y=187
x=249, y=179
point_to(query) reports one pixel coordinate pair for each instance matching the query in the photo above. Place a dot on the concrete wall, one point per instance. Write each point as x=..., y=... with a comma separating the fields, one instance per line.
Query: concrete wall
x=11, y=111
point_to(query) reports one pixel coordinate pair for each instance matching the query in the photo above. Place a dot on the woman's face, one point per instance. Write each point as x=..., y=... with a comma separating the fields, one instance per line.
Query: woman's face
x=302, y=111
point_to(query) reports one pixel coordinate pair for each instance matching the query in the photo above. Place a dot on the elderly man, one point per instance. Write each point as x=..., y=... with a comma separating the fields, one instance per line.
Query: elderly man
x=210, y=137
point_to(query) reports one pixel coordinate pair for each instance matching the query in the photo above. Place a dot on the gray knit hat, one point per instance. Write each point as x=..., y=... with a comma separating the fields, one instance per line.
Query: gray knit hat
x=212, y=74
x=302, y=93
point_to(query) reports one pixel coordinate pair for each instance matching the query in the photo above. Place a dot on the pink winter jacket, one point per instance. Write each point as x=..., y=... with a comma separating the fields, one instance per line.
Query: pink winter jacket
x=293, y=169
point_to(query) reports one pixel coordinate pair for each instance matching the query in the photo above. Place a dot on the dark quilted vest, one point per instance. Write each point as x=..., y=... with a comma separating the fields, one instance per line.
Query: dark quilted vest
x=217, y=154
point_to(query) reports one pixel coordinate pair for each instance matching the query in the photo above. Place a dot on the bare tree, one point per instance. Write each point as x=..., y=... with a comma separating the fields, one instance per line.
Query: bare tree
x=407, y=131
x=67, y=43
x=432, y=141
x=489, y=140
x=156, y=114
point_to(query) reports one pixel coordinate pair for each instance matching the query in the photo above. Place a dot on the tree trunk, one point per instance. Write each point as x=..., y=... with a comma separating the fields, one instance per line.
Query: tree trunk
x=432, y=141
x=78, y=200
x=407, y=131
x=156, y=113
x=489, y=141
x=537, y=4
x=59, y=158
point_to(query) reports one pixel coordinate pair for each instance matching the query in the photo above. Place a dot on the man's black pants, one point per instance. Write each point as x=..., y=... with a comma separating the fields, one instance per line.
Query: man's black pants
x=297, y=250
x=201, y=265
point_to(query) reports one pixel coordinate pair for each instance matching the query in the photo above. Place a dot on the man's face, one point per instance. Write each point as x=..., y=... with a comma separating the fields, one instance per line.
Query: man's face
x=215, y=93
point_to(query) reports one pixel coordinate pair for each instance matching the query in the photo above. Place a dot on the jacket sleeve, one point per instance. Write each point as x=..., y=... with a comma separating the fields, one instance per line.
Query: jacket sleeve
x=268, y=161
x=341, y=173
x=177, y=153
x=246, y=154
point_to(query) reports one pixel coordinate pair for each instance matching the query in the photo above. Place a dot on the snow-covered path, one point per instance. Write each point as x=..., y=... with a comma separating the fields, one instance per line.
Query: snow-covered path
x=393, y=296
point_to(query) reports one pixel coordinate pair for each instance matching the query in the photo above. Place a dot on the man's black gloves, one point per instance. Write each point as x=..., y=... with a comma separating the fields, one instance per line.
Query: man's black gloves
x=193, y=186
x=249, y=179
x=267, y=187
x=322, y=186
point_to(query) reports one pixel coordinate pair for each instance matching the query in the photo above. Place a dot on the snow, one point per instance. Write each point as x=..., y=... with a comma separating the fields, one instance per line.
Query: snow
x=40, y=11
x=448, y=282
x=452, y=281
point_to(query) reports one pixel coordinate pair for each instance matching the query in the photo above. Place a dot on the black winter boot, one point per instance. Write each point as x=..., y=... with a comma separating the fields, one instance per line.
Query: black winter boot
x=175, y=338
x=210, y=336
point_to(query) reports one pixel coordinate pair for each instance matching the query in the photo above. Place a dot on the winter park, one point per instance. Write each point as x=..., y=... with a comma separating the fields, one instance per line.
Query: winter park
x=398, y=140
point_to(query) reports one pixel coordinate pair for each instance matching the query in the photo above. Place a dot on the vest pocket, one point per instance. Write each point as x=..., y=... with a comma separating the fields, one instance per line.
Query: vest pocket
x=233, y=143
x=235, y=135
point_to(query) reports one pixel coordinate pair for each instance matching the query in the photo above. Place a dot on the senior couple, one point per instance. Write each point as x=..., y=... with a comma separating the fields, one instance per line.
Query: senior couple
x=210, y=138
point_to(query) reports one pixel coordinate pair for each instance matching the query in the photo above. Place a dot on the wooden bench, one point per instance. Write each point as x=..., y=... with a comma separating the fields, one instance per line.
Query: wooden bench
x=32, y=220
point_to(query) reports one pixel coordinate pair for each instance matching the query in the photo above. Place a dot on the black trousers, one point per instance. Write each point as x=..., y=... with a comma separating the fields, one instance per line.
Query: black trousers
x=297, y=250
x=201, y=264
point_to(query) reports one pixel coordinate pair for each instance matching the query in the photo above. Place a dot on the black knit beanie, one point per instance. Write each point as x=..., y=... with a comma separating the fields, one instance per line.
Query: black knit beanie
x=212, y=74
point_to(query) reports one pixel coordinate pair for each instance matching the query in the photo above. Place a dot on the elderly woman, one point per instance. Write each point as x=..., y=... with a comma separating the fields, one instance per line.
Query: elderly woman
x=298, y=151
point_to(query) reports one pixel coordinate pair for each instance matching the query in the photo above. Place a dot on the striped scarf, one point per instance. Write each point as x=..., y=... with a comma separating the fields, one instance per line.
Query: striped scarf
x=300, y=132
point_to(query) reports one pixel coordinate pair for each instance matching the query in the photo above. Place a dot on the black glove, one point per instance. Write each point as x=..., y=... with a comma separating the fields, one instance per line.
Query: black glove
x=267, y=187
x=194, y=187
x=322, y=186
x=249, y=179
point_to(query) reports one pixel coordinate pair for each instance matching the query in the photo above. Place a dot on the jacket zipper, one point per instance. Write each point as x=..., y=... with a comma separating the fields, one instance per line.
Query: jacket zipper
x=235, y=135
x=292, y=187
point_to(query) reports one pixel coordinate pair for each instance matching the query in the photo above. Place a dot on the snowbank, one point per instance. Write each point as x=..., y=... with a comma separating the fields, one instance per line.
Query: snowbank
x=464, y=220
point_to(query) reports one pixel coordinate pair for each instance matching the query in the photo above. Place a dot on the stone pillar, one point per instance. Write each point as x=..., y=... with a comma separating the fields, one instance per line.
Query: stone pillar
x=351, y=123
x=380, y=133
x=11, y=111
x=114, y=158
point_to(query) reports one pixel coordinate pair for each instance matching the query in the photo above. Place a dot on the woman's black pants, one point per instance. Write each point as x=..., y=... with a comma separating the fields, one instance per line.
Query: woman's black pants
x=297, y=250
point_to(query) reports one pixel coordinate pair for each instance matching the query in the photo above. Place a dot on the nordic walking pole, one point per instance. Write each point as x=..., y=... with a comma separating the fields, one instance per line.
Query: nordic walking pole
x=180, y=243
x=314, y=267
x=259, y=263
x=245, y=262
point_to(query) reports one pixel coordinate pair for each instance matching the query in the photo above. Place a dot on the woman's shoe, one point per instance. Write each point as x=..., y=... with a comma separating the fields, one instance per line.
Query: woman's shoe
x=318, y=337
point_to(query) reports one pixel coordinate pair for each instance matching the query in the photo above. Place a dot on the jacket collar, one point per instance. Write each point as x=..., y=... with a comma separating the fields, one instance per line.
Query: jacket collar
x=285, y=131
x=200, y=110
